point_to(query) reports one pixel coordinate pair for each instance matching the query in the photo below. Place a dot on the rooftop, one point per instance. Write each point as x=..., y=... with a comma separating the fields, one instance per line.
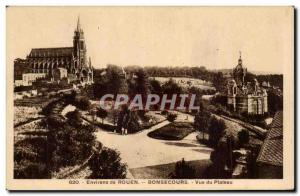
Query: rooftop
x=50, y=52
x=271, y=152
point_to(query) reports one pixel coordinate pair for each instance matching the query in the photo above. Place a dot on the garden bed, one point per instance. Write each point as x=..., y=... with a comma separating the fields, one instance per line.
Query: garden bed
x=173, y=131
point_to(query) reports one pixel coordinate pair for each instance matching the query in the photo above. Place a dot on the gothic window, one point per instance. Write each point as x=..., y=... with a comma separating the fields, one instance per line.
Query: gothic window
x=234, y=90
x=81, y=45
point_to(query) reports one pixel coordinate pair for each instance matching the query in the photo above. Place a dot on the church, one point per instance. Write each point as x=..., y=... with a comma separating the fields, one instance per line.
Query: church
x=245, y=97
x=55, y=64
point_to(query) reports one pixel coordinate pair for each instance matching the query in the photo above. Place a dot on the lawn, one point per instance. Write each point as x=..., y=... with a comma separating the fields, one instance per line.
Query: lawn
x=173, y=131
x=163, y=171
x=150, y=119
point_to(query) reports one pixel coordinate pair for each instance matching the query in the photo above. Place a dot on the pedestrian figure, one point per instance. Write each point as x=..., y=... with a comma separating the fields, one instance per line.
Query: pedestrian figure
x=126, y=121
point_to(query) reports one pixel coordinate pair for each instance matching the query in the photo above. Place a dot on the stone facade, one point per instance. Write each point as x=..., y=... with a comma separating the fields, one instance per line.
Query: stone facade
x=60, y=73
x=245, y=97
x=28, y=78
x=52, y=60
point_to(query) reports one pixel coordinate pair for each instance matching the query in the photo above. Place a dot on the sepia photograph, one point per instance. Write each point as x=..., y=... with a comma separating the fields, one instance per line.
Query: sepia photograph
x=150, y=98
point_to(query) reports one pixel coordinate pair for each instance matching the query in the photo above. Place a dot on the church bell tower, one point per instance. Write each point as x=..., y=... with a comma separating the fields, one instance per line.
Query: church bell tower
x=79, y=47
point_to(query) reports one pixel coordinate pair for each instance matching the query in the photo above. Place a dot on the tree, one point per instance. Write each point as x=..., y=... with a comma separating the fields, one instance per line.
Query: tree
x=243, y=137
x=114, y=114
x=230, y=145
x=198, y=93
x=142, y=85
x=219, y=81
x=183, y=171
x=220, y=99
x=106, y=164
x=101, y=113
x=74, y=118
x=216, y=130
x=275, y=102
x=133, y=123
x=220, y=157
x=201, y=121
x=155, y=87
x=115, y=80
x=171, y=87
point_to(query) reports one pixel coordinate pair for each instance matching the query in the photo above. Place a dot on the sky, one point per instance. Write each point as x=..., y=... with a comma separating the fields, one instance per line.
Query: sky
x=160, y=36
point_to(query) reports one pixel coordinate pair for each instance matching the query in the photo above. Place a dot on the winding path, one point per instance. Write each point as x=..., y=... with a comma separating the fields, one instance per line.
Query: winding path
x=139, y=150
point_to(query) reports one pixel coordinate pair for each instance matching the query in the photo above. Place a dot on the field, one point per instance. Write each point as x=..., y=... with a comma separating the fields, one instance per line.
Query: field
x=187, y=82
x=33, y=101
x=173, y=131
x=28, y=109
x=23, y=114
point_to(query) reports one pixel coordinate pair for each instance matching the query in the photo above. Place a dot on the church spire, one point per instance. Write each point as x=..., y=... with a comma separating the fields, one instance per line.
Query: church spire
x=78, y=24
x=240, y=62
x=90, y=62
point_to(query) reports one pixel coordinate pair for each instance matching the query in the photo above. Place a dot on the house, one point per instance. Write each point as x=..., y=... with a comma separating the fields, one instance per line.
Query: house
x=270, y=159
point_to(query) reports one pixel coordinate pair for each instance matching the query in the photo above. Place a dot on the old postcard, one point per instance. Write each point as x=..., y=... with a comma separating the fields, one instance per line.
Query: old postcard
x=150, y=98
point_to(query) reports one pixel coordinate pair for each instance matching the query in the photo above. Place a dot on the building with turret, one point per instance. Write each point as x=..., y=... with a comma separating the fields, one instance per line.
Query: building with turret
x=245, y=97
x=58, y=63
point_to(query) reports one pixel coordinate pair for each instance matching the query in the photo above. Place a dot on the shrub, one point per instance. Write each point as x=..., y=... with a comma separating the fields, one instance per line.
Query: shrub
x=74, y=118
x=183, y=171
x=68, y=145
x=33, y=149
x=171, y=117
x=141, y=113
x=70, y=98
x=83, y=103
x=201, y=121
x=107, y=165
x=101, y=113
x=164, y=112
x=32, y=171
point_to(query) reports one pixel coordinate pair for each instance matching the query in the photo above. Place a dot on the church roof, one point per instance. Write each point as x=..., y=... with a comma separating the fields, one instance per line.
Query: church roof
x=51, y=52
x=272, y=149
